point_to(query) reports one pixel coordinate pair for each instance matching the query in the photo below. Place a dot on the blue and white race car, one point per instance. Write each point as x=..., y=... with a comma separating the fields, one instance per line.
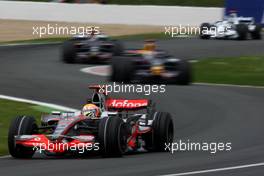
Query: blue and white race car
x=90, y=48
x=232, y=27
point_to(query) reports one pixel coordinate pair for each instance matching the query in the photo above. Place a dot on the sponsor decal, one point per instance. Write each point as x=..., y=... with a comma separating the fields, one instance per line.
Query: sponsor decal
x=127, y=103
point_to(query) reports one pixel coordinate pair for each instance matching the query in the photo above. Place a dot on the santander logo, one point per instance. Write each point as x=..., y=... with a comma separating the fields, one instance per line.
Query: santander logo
x=115, y=103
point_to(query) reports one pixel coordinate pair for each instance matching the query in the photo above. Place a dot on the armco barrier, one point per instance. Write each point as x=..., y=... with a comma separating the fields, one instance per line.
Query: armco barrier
x=109, y=14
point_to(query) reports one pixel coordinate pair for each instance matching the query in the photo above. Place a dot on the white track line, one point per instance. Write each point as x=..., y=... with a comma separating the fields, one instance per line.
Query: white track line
x=5, y=156
x=53, y=106
x=28, y=44
x=217, y=170
x=229, y=85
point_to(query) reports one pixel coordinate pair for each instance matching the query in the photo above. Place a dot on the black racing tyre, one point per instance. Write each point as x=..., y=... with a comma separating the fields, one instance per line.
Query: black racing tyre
x=162, y=132
x=118, y=48
x=21, y=125
x=69, y=52
x=256, y=34
x=185, y=73
x=242, y=31
x=112, y=137
x=203, y=28
x=122, y=69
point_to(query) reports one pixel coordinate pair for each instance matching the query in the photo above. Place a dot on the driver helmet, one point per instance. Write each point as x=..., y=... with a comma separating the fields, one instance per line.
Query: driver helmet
x=232, y=15
x=149, y=45
x=91, y=110
x=93, y=34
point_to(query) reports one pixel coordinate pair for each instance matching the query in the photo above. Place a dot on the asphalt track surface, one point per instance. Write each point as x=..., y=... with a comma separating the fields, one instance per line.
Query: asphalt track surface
x=201, y=113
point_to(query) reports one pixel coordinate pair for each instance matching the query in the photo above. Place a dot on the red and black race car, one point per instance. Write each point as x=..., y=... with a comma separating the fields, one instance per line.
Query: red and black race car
x=123, y=125
x=149, y=65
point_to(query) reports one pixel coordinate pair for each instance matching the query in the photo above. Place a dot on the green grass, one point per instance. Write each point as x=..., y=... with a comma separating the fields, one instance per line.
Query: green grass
x=40, y=40
x=205, y=3
x=123, y=37
x=11, y=109
x=231, y=70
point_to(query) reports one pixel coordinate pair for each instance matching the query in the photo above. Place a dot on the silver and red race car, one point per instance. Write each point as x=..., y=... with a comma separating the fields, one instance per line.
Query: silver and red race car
x=122, y=126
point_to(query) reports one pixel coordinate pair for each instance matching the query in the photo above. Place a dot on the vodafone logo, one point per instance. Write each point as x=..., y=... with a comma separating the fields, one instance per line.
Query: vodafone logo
x=127, y=103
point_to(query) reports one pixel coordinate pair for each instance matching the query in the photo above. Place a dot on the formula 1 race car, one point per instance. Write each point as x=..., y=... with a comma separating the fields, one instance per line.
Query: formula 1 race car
x=232, y=27
x=150, y=65
x=91, y=48
x=119, y=126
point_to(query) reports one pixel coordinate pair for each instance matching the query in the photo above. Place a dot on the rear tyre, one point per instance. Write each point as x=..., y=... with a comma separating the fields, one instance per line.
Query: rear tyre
x=118, y=48
x=256, y=34
x=21, y=125
x=122, y=70
x=242, y=31
x=162, y=132
x=69, y=51
x=112, y=137
x=205, y=28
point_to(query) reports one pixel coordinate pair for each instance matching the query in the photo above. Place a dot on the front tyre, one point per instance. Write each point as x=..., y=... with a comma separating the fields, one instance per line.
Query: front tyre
x=21, y=125
x=69, y=52
x=185, y=73
x=242, y=31
x=256, y=34
x=112, y=137
x=162, y=132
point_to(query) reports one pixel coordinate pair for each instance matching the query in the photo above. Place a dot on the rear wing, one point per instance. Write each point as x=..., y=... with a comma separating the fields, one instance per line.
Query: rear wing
x=124, y=104
x=98, y=88
x=101, y=99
